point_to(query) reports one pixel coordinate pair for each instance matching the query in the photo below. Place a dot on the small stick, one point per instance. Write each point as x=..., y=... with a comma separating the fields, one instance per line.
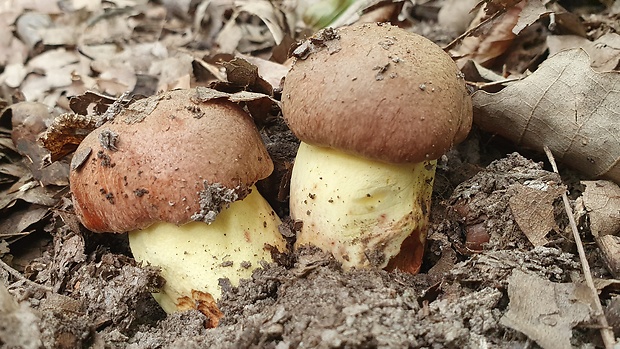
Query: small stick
x=606, y=332
x=14, y=273
x=471, y=30
x=112, y=110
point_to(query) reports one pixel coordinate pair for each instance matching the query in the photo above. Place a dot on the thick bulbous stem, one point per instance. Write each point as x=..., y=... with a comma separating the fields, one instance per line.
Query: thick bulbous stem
x=194, y=256
x=362, y=211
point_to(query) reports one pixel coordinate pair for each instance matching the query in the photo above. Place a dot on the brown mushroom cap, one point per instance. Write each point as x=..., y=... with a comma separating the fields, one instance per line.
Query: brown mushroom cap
x=377, y=91
x=151, y=163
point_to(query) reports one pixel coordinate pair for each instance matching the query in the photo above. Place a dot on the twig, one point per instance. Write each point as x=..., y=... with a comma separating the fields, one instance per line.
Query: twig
x=471, y=30
x=606, y=332
x=14, y=273
x=112, y=110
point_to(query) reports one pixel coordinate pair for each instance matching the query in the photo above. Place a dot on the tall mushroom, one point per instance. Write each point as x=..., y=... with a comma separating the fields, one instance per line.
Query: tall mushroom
x=177, y=172
x=374, y=106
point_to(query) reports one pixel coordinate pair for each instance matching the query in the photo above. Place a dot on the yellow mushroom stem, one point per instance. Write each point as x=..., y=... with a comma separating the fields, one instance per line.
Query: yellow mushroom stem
x=194, y=256
x=362, y=211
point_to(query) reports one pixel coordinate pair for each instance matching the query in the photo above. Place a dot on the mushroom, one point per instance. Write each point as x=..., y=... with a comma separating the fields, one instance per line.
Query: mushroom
x=374, y=106
x=177, y=172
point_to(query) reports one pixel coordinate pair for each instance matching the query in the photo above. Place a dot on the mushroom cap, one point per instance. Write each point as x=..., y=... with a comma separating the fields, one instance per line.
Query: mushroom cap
x=156, y=158
x=377, y=91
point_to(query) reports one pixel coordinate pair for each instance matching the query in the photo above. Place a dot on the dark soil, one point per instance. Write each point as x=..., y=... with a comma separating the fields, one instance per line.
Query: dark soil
x=101, y=299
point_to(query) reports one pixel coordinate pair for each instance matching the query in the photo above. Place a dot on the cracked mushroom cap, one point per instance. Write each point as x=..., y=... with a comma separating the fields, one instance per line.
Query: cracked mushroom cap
x=156, y=160
x=377, y=91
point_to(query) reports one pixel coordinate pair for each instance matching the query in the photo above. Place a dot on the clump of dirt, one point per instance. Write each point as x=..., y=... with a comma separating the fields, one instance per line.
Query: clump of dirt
x=316, y=304
x=100, y=293
x=214, y=198
x=282, y=146
x=487, y=205
x=325, y=39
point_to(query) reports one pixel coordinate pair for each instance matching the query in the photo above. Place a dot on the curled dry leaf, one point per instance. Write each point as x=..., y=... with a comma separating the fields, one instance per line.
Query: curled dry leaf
x=66, y=133
x=533, y=10
x=271, y=72
x=29, y=26
x=247, y=37
x=496, y=38
x=564, y=105
x=259, y=105
x=243, y=76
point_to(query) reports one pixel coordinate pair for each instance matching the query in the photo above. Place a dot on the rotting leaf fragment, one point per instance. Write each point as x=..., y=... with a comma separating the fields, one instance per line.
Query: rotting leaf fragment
x=66, y=133
x=80, y=157
x=545, y=311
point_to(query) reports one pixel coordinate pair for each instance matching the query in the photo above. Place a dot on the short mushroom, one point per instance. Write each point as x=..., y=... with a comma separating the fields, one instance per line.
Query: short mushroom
x=178, y=174
x=374, y=106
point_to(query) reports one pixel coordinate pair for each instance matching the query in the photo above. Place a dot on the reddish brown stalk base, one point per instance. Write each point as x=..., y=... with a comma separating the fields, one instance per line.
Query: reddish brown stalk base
x=409, y=259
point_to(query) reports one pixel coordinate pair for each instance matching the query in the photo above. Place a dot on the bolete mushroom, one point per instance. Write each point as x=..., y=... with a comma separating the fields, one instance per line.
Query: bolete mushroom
x=177, y=173
x=374, y=106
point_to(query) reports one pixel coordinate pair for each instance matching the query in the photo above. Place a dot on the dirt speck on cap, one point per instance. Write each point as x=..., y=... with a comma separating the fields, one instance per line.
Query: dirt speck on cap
x=216, y=197
x=108, y=139
x=324, y=39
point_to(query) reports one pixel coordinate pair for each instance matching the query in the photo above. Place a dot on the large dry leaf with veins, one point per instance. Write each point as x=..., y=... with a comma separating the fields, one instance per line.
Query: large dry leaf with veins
x=564, y=105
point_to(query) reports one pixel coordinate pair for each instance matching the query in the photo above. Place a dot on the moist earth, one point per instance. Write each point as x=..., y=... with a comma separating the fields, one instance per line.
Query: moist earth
x=97, y=296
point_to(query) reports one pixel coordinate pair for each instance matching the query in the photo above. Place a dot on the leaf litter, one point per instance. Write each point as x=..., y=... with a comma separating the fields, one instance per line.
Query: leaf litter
x=85, y=290
x=582, y=132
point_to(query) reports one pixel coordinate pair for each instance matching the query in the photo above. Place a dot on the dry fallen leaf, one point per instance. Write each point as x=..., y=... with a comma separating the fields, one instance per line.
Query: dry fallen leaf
x=455, y=15
x=51, y=70
x=245, y=76
x=604, y=52
x=564, y=105
x=533, y=10
x=29, y=26
x=601, y=200
x=271, y=72
x=30, y=119
x=258, y=105
x=545, y=311
x=495, y=39
x=65, y=133
x=18, y=222
x=248, y=36
x=12, y=50
x=532, y=208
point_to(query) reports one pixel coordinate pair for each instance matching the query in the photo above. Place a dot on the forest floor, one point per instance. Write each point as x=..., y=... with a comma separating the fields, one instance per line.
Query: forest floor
x=501, y=266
